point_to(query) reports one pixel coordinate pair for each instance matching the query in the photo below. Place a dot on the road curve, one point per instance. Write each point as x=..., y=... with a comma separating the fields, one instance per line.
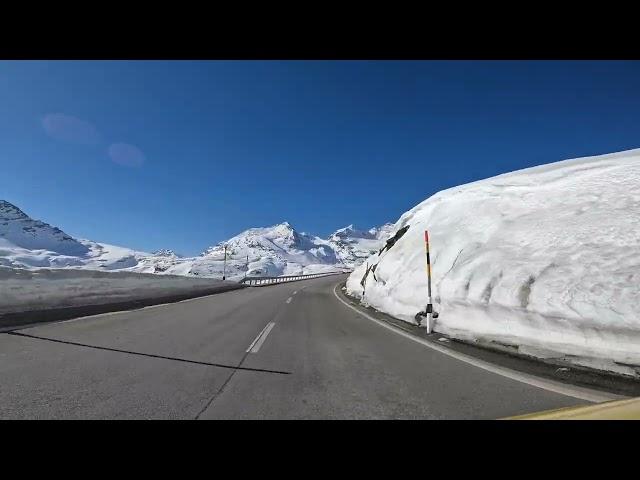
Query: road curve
x=290, y=351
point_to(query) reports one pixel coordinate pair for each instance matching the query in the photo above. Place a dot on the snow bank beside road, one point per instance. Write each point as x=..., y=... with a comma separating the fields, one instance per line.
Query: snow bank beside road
x=29, y=290
x=546, y=258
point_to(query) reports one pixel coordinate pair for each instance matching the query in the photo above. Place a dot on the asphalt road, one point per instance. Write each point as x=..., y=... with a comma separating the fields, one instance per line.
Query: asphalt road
x=290, y=351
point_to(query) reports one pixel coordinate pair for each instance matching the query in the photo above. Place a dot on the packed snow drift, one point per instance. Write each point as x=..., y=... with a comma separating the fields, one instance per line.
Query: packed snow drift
x=546, y=259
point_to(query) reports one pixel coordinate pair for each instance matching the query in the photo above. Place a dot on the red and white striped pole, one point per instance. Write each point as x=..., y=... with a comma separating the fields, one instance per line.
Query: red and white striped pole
x=429, y=309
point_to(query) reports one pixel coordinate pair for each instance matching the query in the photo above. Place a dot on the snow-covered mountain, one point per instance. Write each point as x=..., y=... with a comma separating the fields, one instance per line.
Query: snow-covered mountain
x=29, y=243
x=353, y=246
x=282, y=250
x=546, y=258
x=271, y=251
x=19, y=231
x=165, y=252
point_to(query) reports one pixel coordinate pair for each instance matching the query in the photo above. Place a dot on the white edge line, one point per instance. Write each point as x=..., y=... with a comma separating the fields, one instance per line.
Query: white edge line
x=263, y=337
x=550, y=385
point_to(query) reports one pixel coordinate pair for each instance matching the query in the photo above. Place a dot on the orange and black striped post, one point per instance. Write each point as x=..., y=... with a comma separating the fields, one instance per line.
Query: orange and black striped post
x=429, y=310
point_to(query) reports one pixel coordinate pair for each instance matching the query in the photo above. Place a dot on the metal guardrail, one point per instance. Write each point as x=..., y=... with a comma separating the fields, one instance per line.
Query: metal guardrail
x=264, y=281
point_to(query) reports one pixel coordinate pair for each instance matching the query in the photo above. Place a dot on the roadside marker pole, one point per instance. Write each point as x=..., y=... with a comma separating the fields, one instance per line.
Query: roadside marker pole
x=429, y=310
x=224, y=267
x=246, y=267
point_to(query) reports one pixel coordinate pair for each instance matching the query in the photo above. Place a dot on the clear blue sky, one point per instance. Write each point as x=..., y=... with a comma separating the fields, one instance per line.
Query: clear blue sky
x=182, y=155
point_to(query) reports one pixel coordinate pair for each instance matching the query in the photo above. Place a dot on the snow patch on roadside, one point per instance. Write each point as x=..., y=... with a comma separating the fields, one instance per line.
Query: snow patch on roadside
x=27, y=290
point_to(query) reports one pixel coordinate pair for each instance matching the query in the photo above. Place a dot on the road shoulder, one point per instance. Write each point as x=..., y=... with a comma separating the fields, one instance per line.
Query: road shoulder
x=579, y=382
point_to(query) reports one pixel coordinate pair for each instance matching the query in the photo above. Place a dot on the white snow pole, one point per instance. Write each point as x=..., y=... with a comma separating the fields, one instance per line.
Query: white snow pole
x=429, y=310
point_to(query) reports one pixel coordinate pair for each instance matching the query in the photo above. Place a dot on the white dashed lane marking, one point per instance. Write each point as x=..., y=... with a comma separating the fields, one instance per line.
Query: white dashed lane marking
x=257, y=343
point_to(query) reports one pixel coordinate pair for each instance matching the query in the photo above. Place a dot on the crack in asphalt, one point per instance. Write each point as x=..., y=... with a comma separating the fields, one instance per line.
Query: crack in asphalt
x=150, y=355
x=222, y=387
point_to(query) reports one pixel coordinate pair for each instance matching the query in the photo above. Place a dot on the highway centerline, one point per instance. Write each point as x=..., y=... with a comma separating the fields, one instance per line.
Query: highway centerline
x=263, y=337
x=259, y=340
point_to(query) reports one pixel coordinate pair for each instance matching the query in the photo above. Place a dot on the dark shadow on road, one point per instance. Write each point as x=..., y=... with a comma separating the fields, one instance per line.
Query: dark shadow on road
x=185, y=360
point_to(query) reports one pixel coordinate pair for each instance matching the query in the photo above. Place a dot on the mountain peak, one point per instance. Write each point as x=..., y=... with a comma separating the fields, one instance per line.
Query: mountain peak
x=283, y=226
x=8, y=211
x=353, y=246
x=382, y=232
x=20, y=230
x=350, y=231
x=165, y=252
